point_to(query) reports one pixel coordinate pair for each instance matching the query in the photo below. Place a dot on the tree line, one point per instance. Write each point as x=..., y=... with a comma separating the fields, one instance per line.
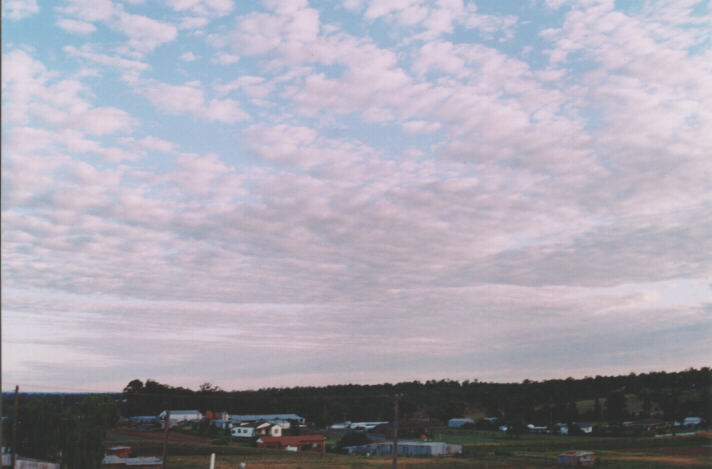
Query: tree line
x=666, y=395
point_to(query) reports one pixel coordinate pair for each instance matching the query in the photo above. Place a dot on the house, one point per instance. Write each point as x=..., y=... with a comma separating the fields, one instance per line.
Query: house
x=119, y=451
x=561, y=428
x=27, y=463
x=538, y=429
x=577, y=458
x=182, y=416
x=584, y=426
x=645, y=424
x=114, y=462
x=406, y=448
x=692, y=421
x=243, y=431
x=274, y=418
x=268, y=429
x=145, y=420
x=257, y=429
x=340, y=426
x=365, y=426
x=459, y=422
x=294, y=443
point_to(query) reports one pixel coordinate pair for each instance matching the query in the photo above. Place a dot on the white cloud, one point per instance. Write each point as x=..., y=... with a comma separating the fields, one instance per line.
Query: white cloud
x=89, y=10
x=419, y=127
x=203, y=7
x=154, y=143
x=145, y=34
x=193, y=22
x=59, y=104
x=18, y=9
x=86, y=52
x=223, y=58
x=178, y=99
x=300, y=146
x=76, y=26
x=188, y=57
x=533, y=198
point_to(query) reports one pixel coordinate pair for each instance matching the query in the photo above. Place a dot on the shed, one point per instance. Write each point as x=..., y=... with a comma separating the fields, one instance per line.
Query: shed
x=584, y=426
x=301, y=442
x=406, y=448
x=119, y=451
x=183, y=415
x=274, y=418
x=243, y=431
x=692, y=421
x=459, y=422
x=577, y=458
x=114, y=462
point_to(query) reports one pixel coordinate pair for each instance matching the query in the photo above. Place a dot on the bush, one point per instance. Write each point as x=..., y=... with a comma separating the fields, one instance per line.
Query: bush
x=353, y=439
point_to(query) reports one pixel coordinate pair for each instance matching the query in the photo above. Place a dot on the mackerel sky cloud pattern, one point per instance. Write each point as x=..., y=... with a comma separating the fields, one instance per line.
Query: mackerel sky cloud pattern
x=302, y=193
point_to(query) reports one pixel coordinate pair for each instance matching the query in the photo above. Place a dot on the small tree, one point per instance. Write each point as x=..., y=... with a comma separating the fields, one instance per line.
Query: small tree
x=353, y=439
x=615, y=406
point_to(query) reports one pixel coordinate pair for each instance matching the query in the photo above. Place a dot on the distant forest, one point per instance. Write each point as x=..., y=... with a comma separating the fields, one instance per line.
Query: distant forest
x=669, y=396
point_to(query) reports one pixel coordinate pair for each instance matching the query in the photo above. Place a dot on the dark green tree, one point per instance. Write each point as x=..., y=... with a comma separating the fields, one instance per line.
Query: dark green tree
x=615, y=406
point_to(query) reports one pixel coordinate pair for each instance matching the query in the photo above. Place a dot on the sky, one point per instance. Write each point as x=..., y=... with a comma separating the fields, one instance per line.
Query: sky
x=271, y=194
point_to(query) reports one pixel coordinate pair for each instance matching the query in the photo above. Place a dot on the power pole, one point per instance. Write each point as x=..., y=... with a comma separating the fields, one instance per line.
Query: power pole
x=14, y=427
x=395, y=432
x=165, y=436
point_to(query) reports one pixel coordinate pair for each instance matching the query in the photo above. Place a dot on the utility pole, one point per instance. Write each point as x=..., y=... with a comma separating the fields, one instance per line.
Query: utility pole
x=165, y=435
x=14, y=427
x=395, y=432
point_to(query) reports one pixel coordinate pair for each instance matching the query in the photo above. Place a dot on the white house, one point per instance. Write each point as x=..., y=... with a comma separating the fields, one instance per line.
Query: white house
x=366, y=426
x=260, y=429
x=268, y=429
x=459, y=422
x=274, y=418
x=692, y=421
x=182, y=416
x=585, y=427
x=243, y=431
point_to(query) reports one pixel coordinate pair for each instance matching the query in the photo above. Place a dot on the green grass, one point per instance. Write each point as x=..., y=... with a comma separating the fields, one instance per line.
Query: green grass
x=482, y=449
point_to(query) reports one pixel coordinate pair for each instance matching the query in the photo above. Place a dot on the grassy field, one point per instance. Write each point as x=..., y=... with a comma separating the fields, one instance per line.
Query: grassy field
x=481, y=450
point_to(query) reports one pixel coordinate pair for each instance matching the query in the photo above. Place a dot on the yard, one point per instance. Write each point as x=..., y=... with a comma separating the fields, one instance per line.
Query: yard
x=482, y=449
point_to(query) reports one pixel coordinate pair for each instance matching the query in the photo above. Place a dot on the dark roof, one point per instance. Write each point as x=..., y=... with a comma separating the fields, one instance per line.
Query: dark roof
x=293, y=440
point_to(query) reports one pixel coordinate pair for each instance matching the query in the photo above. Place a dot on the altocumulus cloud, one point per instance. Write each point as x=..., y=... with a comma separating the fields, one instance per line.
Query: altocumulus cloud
x=477, y=194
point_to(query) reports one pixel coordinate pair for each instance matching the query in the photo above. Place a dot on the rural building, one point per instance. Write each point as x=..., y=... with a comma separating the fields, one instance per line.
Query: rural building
x=577, y=458
x=692, y=421
x=365, y=426
x=645, y=424
x=243, y=431
x=210, y=415
x=459, y=422
x=119, y=451
x=280, y=419
x=584, y=426
x=145, y=420
x=538, y=429
x=357, y=426
x=27, y=463
x=294, y=443
x=114, y=462
x=182, y=416
x=268, y=429
x=257, y=429
x=406, y=448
